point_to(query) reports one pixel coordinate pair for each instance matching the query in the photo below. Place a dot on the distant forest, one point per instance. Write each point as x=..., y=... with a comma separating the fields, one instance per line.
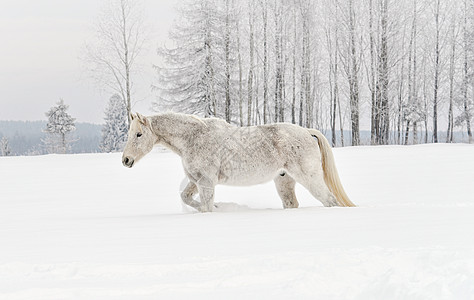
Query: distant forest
x=25, y=137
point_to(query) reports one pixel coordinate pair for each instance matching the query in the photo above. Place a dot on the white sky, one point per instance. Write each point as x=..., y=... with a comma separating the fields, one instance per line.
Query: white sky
x=41, y=41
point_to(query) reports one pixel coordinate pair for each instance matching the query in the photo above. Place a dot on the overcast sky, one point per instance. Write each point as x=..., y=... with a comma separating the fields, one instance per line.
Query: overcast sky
x=41, y=41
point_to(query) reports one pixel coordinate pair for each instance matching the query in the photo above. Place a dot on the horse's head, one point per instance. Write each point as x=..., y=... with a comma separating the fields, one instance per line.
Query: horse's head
x=141, y=140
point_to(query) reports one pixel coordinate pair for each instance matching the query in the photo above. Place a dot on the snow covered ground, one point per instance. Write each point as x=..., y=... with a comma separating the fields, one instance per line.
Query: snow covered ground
x=84, y=227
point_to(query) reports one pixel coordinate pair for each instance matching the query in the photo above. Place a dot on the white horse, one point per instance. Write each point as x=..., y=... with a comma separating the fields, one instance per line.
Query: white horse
x=215, y=152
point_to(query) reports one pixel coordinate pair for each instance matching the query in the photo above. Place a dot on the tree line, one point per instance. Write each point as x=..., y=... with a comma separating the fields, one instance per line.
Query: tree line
x=398, y=68
x=27, y=138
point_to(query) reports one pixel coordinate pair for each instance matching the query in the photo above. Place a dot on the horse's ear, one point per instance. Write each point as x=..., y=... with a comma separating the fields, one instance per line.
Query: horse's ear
x=132, y=116
x=142, y=119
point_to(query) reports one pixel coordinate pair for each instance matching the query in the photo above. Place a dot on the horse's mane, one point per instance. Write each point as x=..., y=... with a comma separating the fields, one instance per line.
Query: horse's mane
x=198, y=120
x=185, y=118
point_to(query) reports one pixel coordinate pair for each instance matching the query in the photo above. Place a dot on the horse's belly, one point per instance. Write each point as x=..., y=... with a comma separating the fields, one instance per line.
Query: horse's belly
x=248, y=178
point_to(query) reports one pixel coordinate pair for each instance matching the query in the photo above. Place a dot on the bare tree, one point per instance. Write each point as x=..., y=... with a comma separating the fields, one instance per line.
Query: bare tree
x=306, y=99
x=279, y=71
x=381, y=110
x=265, y=59
x=332, y=35
x=112, y=56
x=466, y=115
x=250, y=80
x=411, y=109
x=437, y=70
x=351, y=62
x=452, y=72
x=227, y=59
x=372, y=75
x=239, y=58
x=293, y=68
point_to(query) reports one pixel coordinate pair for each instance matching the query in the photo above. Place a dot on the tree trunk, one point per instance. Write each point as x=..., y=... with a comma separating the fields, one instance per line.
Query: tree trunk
x=126, y=61
x=382, y=107
x=227, y=63
x=436, y=76
x=251, y=68
x=466, y=76
x=306, y=72
x=278, y=64
x=293, y=102
x=241, y=94
x=407, y=132
x=341, y=125
x=449, y=132
x=265, y=61
x=353, y=79
x=372, y=81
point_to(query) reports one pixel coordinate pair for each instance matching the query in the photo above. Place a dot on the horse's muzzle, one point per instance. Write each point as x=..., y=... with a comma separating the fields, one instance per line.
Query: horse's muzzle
x=128, y=161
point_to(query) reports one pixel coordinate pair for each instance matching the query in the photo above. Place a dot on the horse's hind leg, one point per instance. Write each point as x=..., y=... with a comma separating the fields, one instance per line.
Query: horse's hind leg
x=187, y=195
x=314, y=182
x=285, y=186
x=318, y=188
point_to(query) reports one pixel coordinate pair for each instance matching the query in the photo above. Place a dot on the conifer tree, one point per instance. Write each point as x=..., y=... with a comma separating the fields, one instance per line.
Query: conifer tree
x=60, y=125
x=196, y=75
x=114, y=131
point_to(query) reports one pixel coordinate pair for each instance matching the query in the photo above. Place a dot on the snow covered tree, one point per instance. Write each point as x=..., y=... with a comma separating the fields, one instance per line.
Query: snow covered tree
x=332, y=45
x=194, y=75
x=454, y=36
x=351, y=63
x=381, y=118
x=5, y=147
x=467, y=66
x=409, y=110
x=437, y=69
x=114, y=131
x=60, y=125
x=393, y=64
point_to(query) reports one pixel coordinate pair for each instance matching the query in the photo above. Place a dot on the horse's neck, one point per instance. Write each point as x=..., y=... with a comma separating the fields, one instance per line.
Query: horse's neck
x=174, y=131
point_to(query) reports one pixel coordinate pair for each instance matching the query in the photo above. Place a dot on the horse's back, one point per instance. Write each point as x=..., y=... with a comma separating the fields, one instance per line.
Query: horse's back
x=256, y=154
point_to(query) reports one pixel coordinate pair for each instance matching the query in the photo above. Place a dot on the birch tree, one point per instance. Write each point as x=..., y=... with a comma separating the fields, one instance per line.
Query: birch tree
x=350, y=58
x=264, y=4
x=437, y=57
x=467, y=65
x=251, y=72
x=381, y=110
x=111, y=58
x=227, y=60
x=452, y=72
x=279, y=72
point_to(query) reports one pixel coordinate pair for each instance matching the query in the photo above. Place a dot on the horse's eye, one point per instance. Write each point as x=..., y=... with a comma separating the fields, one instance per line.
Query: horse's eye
x=139, y=134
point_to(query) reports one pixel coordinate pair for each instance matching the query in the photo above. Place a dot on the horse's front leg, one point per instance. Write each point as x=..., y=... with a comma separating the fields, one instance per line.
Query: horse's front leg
x=206, y=194
x=204, y=184
x=187, y=196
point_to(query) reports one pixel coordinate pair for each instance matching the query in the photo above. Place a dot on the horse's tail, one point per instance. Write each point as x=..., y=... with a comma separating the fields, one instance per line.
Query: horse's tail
x=331, y=176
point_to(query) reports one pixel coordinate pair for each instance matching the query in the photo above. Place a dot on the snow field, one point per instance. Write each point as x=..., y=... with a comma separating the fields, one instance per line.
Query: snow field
x=84, y=227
